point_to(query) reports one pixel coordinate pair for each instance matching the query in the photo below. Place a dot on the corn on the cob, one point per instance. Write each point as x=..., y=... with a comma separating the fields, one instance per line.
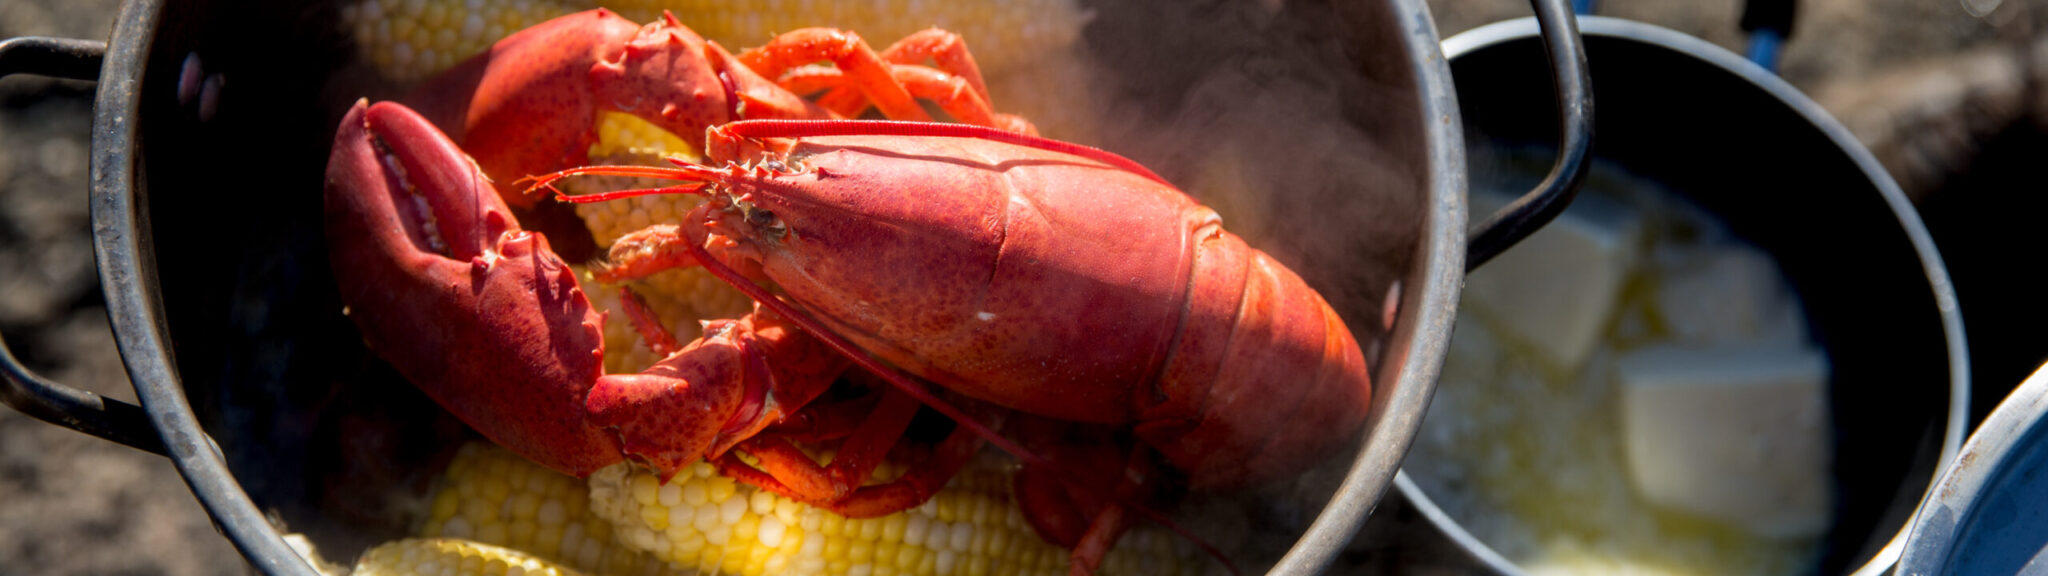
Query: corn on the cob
x=973, y=526
x=491, y=496
x=626, y=522
x=409, y=40
x=1002, y=34
x=451, y=556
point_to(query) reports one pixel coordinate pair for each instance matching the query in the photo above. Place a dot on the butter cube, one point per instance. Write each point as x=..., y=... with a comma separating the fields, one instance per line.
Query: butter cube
x=1734, y=433
x=1556, y=290
x=1729, y=293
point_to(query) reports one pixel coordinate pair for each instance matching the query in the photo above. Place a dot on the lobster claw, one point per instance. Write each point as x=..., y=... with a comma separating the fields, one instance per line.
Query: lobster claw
x=444, y=285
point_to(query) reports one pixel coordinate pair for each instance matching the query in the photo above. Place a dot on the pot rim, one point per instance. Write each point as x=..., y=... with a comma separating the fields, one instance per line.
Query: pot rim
x=128, y=276
x=1936, y=532
x=1957, y=424
x=1435, y=306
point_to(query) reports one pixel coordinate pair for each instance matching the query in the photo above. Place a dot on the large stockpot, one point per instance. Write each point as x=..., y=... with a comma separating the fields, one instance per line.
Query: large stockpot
x=258, y=389
x=1750, y=149
x=1989, y=512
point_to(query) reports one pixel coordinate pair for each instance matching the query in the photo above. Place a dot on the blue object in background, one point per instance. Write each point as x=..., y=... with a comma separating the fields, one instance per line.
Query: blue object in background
x=1764, y=46
x=1769, y=24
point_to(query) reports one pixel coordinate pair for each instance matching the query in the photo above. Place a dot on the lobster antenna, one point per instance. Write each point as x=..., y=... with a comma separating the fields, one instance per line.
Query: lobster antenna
x=909, y=385
x=802, y=128
x=681, y=172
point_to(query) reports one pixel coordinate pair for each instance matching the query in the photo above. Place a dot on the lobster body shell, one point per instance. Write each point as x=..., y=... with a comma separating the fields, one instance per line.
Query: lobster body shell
x=1061, y=286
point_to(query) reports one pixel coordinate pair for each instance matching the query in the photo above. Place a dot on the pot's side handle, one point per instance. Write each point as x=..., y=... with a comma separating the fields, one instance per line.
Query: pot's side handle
x=21, y=388
x=1490, y=237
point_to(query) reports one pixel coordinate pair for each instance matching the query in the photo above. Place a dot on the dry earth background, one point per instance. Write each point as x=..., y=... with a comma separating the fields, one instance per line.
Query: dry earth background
x=1922, y=82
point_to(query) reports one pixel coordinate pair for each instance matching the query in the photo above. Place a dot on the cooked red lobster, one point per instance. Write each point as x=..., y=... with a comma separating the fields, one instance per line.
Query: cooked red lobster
x=1055, y=280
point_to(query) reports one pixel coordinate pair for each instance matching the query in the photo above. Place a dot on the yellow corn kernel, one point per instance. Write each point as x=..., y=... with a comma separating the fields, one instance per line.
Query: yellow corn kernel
x=539, y=512
x=753, y=532
x=1021, y=46
x=1002, y=34
x=415, y=556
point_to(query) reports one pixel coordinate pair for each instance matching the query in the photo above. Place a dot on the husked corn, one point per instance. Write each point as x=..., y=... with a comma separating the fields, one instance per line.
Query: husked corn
x=1003, y=34
x=973, y=526
x=453, y=557
x=494, y=510
x=490, y=496
x=409, y=40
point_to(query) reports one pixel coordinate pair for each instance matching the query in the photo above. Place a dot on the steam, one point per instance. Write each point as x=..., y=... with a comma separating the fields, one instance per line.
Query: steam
x=1297, y=122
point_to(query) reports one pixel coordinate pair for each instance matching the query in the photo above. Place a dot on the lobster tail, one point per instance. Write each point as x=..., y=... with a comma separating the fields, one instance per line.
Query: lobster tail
x=1265, y=377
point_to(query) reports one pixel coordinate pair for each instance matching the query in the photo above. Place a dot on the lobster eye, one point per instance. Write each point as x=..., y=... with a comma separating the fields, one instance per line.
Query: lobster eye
x=765, y=224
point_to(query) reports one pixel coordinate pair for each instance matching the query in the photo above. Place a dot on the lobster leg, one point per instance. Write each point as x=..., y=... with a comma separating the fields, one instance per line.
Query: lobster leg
x=658, y=337
x=1073, y=512
x=825, y=421
x=946, y=49
x=853, y=463
x=852, y=56
x=955, y=84
x=908, y=491
x=950, y=92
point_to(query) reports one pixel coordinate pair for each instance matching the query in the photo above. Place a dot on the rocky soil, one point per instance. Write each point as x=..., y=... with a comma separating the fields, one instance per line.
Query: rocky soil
x=72, y=504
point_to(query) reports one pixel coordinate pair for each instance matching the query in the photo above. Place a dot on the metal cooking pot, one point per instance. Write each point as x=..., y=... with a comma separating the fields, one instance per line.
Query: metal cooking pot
x=1747, y=147
x=1989, y=512
x=260, y=392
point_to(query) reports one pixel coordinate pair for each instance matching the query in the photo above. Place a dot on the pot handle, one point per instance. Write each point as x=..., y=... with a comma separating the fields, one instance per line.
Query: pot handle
x=1512, y=223
x=21, y=388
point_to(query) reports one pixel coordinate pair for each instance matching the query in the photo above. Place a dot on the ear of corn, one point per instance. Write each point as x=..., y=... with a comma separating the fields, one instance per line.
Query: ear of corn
x=1002, y=33
x=704, y=520
x=496, y=513
x=490, y=496
x=409, y=40
x=435, y=556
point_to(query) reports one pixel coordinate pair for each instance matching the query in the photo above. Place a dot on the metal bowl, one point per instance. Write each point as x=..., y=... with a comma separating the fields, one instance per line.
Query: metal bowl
x=1989, y=512
x=1750, y=149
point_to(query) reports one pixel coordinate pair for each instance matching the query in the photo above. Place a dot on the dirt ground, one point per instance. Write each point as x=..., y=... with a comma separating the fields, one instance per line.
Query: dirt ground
x=70, y=504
